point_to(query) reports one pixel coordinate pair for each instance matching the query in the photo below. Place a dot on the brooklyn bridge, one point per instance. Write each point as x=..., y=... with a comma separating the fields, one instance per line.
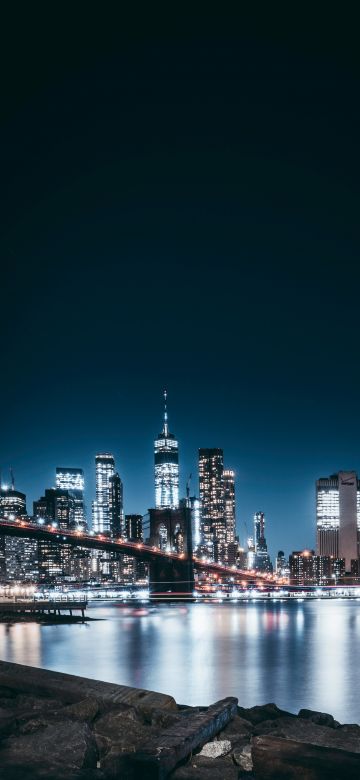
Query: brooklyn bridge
x=171, y=573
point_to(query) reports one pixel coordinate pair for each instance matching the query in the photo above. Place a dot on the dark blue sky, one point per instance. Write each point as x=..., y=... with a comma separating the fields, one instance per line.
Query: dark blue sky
x=182, y=210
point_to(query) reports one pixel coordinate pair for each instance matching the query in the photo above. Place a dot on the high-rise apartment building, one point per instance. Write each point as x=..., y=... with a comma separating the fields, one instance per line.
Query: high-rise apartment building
x=72, y=479
x=338, y=516
x=166, y=462
x=211, y=492
x=306, y=568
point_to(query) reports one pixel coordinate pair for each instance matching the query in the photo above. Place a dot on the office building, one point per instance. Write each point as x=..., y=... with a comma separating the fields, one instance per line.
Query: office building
x=282, y=568
x=72, y=479
x=12, y=503
x=262, y=559
x=194, y=505
x=116, y=506
x=338, y=516
x=134, y=528
x=211, y=493
x=166, y=463
x=104, y=469
x=56, y=506
x=229, y=505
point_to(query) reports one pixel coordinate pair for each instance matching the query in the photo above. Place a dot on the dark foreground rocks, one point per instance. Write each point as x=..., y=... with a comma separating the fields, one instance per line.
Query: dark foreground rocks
x=57, y=726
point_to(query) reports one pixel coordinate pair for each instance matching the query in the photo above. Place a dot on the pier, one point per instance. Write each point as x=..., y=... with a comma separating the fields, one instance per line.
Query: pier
x=42, y=607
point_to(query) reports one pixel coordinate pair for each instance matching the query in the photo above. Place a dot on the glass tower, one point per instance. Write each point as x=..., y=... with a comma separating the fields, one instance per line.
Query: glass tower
x=166, y=452
x=104, y=470
x=211, y=492
x=338, y=516
x=72, y=479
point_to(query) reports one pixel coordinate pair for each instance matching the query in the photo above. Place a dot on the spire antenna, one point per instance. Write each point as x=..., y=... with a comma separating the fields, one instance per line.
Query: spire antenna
x=166, y=429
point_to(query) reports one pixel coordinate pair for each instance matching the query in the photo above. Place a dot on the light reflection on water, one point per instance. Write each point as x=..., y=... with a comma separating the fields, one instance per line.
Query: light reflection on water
x=296, y=654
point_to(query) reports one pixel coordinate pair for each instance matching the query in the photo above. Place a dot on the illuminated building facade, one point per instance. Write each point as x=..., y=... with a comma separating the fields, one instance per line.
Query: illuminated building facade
x=56, y=506
x=211, y=492
x=134, y=528
x=229, y=505
x=72, y=479
x=104, y=470
x=282, y=565
x=306, y=568
x=262, y=559
x=116, y=506
x=166, y=462
x=338, y=516
x=12, y=503
x=194, y=505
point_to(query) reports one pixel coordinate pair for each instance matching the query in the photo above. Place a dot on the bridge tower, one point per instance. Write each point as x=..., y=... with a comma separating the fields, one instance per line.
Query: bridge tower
x=170, y=530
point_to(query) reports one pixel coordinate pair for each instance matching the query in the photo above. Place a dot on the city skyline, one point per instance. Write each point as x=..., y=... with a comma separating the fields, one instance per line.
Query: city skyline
x=182, y=212
x=89, y=477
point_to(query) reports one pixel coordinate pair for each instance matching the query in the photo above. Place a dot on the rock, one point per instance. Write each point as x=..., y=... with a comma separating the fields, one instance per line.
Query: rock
x=216, y=749
x=321, y=718
x=7, y=722
x=6, y=693
x=25, y=701
x=265, y=712
x=165, y=718
x=203, y=768
x=275, y=758
x=65, y=743
x=238, y=731
x=306, y=731
x=159, y=756
x=85, y=710
x=243, y=758
x=33, y=725
x=121, y=732
x=352, y=729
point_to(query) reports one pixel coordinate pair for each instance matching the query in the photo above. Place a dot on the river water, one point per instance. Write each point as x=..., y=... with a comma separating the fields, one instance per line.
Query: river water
x=302, y=654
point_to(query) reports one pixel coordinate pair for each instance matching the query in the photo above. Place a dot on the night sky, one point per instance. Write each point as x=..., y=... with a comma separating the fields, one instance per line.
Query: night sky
x=182, y=210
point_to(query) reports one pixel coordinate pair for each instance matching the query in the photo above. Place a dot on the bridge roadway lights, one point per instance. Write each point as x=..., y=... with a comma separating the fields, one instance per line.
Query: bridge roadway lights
x=171, y=579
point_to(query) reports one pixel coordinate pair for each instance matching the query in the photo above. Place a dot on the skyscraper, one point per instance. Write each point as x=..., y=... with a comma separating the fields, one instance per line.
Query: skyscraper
x=12, y=503
x=166, y=458
x=104, y=469
x=211, y=492
x=338, y=516
x=262, y=559
x=229, y=504
x=73, y=479
x=116, y=505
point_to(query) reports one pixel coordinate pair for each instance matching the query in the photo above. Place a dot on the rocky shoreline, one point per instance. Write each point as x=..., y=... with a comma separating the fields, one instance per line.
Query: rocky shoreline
x=58, y=726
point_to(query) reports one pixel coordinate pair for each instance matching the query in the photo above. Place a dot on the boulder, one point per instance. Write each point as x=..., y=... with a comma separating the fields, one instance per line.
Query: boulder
x=84, y=710
x=204, y=768
x=264, y=712
x=36, y=724
x=238, y=731
x=321, y=718
x=243, y=758
x=307, y=731
x=7, y=722
x=275, y=757
x=64, y=744
x=216, y=749
x=121, y=732
x=162, y=719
